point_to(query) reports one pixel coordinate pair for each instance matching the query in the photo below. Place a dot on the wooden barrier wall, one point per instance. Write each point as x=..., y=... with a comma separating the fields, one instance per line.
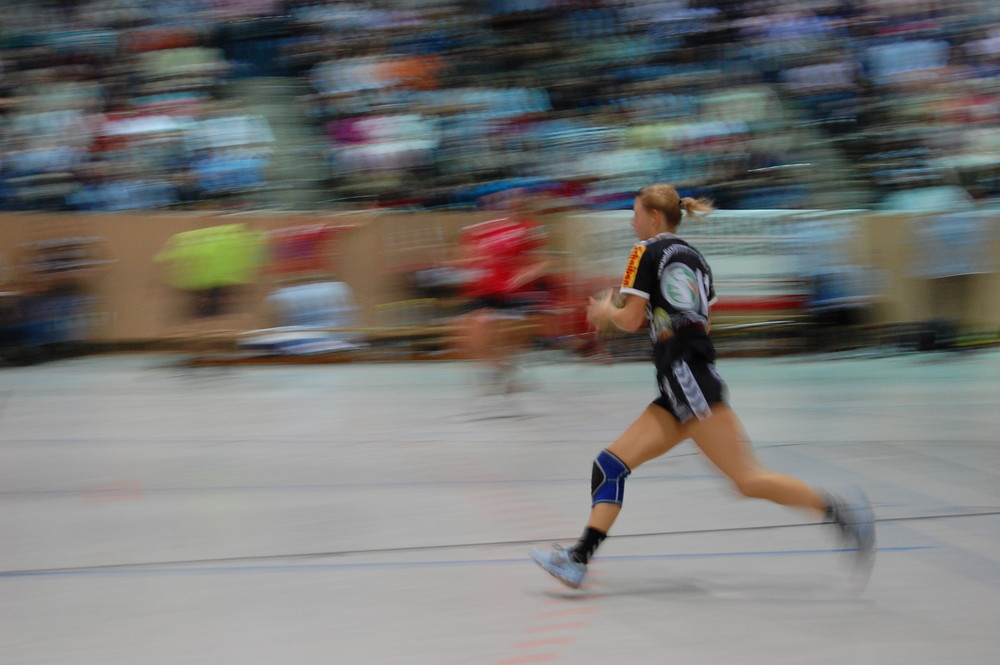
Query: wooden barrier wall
x=373, y=257
x=973, y=300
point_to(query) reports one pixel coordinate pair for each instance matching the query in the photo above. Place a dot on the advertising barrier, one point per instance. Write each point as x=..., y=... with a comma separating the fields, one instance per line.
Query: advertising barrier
x=760, y=259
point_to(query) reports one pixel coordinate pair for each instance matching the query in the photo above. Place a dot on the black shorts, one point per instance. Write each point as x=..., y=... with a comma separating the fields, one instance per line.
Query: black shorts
x=215, y=301
x=688, y=389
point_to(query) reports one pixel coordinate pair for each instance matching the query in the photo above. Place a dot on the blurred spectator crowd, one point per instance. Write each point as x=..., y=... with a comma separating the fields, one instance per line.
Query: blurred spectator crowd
x=124, y=104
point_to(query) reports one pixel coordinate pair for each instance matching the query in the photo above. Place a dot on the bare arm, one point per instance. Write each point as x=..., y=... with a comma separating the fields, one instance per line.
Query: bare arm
x=529, y=274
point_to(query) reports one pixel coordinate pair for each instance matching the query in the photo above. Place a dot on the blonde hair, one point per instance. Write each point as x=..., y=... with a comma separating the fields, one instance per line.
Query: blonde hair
x=664, y=197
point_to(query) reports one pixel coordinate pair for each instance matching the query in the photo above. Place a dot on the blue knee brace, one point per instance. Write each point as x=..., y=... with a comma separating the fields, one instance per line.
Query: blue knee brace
x=607, y=484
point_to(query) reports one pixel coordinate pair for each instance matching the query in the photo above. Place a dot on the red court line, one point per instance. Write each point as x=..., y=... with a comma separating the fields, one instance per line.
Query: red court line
x=110, y=492
x=562, y=524
x=570, y=596
x=566, y=625
x=545, y=642
x=512, y=499
x=536, y=516
x=532, y=658
x=567, y=612
x=507, y=501
x=578, y=596
x=515, y=509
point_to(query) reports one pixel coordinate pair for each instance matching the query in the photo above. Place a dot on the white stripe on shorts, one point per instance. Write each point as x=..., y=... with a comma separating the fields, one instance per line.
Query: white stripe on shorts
x=692, y=391
x=681, y=410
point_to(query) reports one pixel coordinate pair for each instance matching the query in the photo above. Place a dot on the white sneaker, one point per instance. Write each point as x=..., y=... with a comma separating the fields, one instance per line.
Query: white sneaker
x=856, y=522
x=561, y=565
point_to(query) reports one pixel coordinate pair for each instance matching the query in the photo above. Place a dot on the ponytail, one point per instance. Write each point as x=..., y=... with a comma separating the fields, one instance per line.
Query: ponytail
x=696, y=207
x=664, y=197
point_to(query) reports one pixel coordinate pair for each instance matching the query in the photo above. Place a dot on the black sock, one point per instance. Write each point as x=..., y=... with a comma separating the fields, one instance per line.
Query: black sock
x=587, y=545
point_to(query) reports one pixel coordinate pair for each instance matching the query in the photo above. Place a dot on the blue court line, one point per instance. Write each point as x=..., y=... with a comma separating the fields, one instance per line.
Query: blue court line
x=327, y=486
x=287, y=568
x=426, y=437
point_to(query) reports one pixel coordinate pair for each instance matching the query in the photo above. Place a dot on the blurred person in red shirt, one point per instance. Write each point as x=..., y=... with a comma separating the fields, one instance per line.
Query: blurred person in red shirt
x=505, y=286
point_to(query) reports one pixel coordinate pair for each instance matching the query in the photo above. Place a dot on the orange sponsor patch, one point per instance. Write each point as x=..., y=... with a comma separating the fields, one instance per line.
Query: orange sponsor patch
x=633, y=266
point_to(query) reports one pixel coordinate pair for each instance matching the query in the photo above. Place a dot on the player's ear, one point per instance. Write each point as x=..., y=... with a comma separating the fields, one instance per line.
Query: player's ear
x=658, y=216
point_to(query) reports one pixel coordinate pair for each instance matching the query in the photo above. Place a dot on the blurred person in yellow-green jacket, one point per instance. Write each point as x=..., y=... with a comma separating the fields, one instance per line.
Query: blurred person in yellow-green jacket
x=212, y=264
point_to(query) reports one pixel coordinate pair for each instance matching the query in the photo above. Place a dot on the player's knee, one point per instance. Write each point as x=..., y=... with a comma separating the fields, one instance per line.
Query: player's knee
x=479, y=322
x=607, y=483
x=753, y=486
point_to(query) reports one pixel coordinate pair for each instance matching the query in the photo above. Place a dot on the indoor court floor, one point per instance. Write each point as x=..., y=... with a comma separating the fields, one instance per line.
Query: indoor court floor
x=379, y=514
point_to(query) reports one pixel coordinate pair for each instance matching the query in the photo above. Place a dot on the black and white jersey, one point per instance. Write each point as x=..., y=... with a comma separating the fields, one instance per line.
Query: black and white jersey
x=676, y=281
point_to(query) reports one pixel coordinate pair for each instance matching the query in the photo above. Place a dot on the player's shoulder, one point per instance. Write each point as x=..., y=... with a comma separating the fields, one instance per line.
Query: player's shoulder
x=659, y=242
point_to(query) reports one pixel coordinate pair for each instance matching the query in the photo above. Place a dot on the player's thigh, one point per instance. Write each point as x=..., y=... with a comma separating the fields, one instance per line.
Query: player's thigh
x=477, y=323
x=652, y=434
x=724, y=442
x=515, y=329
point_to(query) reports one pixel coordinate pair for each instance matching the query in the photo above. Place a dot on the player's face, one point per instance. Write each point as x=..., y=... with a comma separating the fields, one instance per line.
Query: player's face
x=643, y=222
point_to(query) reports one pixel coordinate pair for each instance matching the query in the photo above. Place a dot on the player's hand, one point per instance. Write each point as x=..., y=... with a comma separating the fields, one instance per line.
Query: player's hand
x=599, y=311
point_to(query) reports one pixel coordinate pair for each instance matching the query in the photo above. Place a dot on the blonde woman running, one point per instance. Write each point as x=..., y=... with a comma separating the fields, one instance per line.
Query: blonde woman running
x=668, y=285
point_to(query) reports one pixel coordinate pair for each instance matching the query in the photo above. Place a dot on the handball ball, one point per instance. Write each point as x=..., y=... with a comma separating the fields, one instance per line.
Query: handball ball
x=608, y=328
x=617, y=299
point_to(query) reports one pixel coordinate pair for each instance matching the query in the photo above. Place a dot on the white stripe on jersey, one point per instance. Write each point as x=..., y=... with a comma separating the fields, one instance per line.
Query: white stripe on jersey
x=635, y=292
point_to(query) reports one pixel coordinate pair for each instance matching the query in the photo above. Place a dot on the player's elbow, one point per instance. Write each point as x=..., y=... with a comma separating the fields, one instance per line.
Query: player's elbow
x=629, y=321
